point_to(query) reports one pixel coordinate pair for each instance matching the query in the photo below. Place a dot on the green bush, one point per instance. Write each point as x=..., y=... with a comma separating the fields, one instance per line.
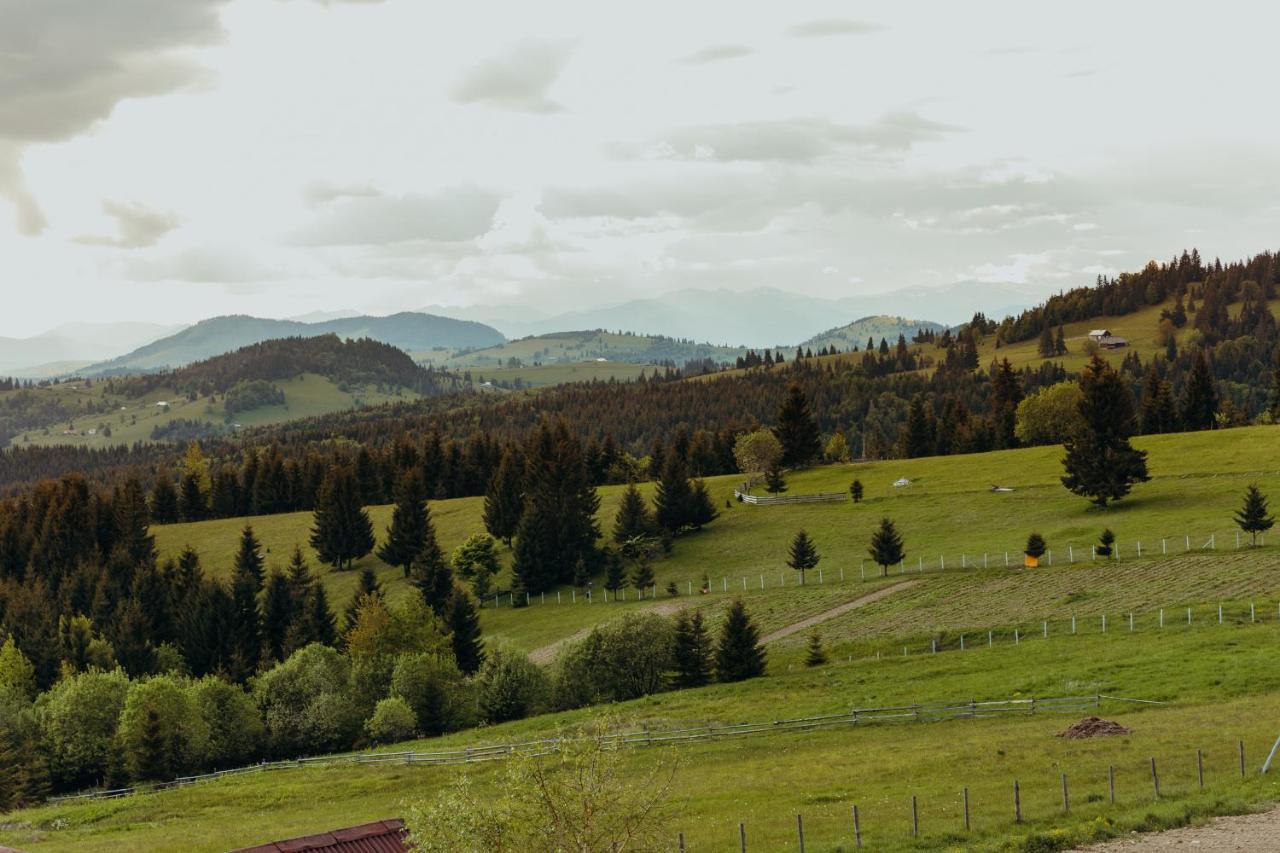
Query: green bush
x=620, y=660
x=393, y=720
x=433, y=687
x=160, y=733
x=78, y=717
x=509, y=687
x=306, y=703
x=235, y=731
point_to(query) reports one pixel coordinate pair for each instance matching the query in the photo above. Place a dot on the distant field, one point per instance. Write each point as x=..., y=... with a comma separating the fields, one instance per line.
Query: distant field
x=559, y=374
x=946, y=512
x=132, y=419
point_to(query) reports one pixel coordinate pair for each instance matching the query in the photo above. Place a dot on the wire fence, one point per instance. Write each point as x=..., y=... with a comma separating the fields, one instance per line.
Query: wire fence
x=866, y=570
x=931, y=712
x=1050, y=798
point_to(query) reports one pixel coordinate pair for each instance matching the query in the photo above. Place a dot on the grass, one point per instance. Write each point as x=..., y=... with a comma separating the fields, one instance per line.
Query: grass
x=1221, y=683
x=947, y=511
x=132, y=419
x=546, y=375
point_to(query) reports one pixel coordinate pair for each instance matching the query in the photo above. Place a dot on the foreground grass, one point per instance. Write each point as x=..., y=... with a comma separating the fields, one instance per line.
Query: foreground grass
x=1220, y=681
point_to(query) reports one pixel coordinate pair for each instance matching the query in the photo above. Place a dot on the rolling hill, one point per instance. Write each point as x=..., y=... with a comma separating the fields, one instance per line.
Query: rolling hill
x=589, y=346
x=859, y=331
x=208, y=338
x=72, y=345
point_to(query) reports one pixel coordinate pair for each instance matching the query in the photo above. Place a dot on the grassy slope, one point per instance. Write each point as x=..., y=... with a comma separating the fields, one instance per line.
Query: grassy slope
x=133, y=418
x=1220, y=680
x=568, y=346
x=545, y=375
x=946, y=511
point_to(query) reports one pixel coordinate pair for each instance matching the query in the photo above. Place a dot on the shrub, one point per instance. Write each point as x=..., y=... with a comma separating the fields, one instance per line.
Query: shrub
x=393, y=720
x=509, y=687
x=160, y=734
x=433, y=688
x=78, y=717
x=620, y=660
x=235, y=731
x=306, y=703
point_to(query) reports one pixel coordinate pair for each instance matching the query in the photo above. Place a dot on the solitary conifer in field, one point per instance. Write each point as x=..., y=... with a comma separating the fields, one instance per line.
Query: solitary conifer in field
x=673, y=497
x=774, y=483
x=1106, y=543
x=803, y=554
x=855, y=491
x=816, y=655
x=1035, y=546
x=886, y=546
x=1252, y=517
x=408, y=527
x=692, y=652
x=1100, y=462
x=739, y=655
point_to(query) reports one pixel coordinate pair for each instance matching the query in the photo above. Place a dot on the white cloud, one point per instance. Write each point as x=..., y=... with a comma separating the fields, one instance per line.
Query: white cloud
x=138, y=226
x=518, y=79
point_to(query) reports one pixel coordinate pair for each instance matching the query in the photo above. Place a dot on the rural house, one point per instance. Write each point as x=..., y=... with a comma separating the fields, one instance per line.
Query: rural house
x=1106, y=340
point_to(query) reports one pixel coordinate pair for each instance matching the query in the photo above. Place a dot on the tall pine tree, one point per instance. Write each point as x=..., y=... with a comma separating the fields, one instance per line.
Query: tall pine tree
x=341, y=532
x=803, y=555
x=1100, y=462
x=796, y=430
x=408, y=527
x=504, y=499
x=463, y=621
x=1253, y=517
x=430, y=573
x=633, y=518
x=886, y=546
x=1199, y=396
x=739, y=655
x=692, y=650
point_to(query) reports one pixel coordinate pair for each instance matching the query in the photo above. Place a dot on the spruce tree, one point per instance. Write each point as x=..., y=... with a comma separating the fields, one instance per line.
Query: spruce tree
x=558, y=525
x=1274, y=408
x=692, y=651
x=1252, y=517
x=774, y=482
x=615, y=572
x=796, y=430
x=249, y=557
x=1006, y=394
x=277, y=614
x=164, y=499
x=246, y=627
x=1159, y=413
x=367, y=586
x=633, y=518
x=815, y=655
x=132, y=531
x=341, y=532
x=504, y=499
x=1045, y=344
x=430, y=573
x=408, y=527
x=739, y=655
x=1100, y=462
x=1199, y=396
x=855, y=491
x=803, y=555
x=1036, y=546
x=1060, y=343
x=642, y=575
x=1106, y=543
x=463, y=621
x=673, y=496
x=886, y=546
x=322, y=627
x=702, y=510
x=192, y=501
x=153, y=758
x=918, y=434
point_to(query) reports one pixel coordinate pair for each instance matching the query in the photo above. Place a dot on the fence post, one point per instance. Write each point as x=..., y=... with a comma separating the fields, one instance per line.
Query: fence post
x=1045, y=626
x=1006, y=559
x=988, y=638
x=1111, y=782
x=1219, y=614
x=1015, y=636
x=962, y=642
x=942, y=562
x=1093, y=553
x=934, y=643
x=1155, y=777
x=573, y=594
x=1161, y=617
x=984, y=559
x=1017, y=803
x=1073, y=623
x=1050, y=556
x=857, y=829
x=800, y=831
x=915, y=818
x=1200, y=767
x=966, y=809
x=1139, y=547
x=842, y=574
x=1071, y=554
x=1188, y=615
x=1104, y=623
x=682, y=842
x=1252, y=615
x=742, y=838
x=1066, y=800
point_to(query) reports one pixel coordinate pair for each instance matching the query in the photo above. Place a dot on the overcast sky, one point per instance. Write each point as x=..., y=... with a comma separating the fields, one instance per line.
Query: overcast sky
x=169, y=160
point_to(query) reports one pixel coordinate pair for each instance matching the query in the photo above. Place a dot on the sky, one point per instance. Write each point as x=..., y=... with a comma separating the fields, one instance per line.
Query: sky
x=169, y=160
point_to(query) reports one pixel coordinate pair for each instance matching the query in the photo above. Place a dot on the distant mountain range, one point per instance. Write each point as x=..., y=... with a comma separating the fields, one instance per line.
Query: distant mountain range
x=763, y=317
x=75, y=344
x=875, y=328
x=408, y=331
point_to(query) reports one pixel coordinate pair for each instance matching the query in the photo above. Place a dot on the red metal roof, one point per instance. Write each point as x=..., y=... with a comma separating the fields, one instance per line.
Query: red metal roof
x=383, y=836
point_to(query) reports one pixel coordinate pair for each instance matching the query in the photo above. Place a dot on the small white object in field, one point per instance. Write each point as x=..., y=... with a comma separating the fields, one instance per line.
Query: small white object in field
x=1001, y=489
x=899, y=483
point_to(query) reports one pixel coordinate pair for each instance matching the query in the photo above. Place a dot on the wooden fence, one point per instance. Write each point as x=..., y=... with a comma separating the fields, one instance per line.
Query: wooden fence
x=933, y=712
x=771, y=500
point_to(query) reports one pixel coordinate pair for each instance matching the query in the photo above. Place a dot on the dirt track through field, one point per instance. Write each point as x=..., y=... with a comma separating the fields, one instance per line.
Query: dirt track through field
x=817, y=619
x=1241, y=832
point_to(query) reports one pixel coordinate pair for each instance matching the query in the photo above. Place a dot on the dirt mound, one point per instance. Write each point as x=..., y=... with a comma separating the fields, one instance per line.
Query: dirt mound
x=1093, y=727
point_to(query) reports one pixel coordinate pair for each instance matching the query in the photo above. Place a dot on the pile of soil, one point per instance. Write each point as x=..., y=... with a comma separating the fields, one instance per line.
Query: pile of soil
x=1093, y=727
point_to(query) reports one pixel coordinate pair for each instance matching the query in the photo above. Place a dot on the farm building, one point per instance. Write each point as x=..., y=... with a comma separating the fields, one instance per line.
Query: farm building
x=383, y=836
x=1106, y=340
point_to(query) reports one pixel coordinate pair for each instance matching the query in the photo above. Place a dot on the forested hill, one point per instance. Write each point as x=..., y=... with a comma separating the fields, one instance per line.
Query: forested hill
x=407, y=331
x=346, y=362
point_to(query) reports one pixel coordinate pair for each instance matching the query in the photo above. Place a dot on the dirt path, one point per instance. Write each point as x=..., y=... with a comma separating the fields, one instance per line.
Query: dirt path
x=1241, y=832
x=869, y=598
x=546, y=654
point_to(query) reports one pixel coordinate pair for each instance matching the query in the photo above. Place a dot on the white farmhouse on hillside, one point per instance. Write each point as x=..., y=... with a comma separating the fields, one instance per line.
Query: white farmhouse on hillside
x=1106, y=340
